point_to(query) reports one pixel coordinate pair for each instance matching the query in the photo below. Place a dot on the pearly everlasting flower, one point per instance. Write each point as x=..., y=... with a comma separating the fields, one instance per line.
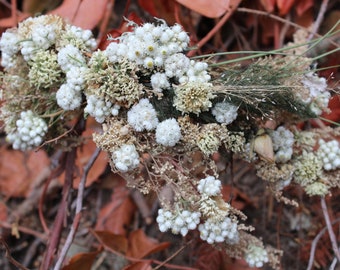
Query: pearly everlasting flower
x=283, y=140
x=217, y=231
x=30, y=131
x=99, y=108
x=159, y=81
x=193, y=97
x=143, y=116
x=44, y=36
x=197, y=72
x=318, y=94
x=176, y=65
x=209, y=186
x=168, y=132
x=329, y=153
x=179, y=223
x=75, y=78
x=224, y=112
x=9, y=46
x=68, y=98
x=256, y=256
x=126, y=158
x=70, y=56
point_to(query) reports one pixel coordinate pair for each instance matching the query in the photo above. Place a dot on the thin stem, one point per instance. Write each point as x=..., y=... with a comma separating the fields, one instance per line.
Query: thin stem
x=319, y=19
x=315, y=242
x=79, y=206
x=329, y=228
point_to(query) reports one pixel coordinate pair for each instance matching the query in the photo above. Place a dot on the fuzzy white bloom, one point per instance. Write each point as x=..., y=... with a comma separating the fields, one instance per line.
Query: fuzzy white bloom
x=318, y=94
x=197, y=72
x=314, y=84
x=217, y=231
x=142, y=116
x=329, y=153
x=320, y=103
x=9, y=42
x=84, y=36
x=99, y=108
x=9, y=46
x=30, y=131
x=179, y=223
x=159, y=81
x=75, y=78
x=176, y=65
x=256, y=256
x=224, y=112
x=44, y=35
x=209, y=186
x=70, y=56
x=126, y=158
x=29, y=49
x=168, y=132
x=68, y=98
x=283, y=140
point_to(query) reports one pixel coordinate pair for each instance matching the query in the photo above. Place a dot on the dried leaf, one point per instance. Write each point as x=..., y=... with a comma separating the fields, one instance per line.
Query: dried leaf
x=140, y=245
x=208, y=8
x=303, y=6
x=9, y=22
x=284, y=6
x=83, y=13
x=115, y=242
x=268, y=5
x=116, y=216
x=19, y=171
x=82, y=261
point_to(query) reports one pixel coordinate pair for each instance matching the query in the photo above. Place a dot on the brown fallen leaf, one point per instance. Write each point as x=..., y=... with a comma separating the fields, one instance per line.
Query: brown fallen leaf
x=19, y=170
x=82, y=261
x=140, y=245
x=83, y=13
x=208, y=8
x=115, y=242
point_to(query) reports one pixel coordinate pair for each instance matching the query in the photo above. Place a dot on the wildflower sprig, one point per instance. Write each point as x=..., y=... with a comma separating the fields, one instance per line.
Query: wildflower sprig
x=165, y=115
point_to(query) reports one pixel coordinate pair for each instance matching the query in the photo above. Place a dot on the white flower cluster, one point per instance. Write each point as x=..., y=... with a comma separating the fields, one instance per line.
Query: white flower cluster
x=159, y=48
x=168, y=132
x=142, y=116
x=283, y=140
x=67, y=98
x=41, y=33
x=329, y=153
x=318, y=94
x=99, y=108
x=224, y=112
x=126, y=158
x=30, y=131
x=69, y=57
x=209, y=186
x=180, y=222
x=9, y=46
x=214, y=230
x=256, y=256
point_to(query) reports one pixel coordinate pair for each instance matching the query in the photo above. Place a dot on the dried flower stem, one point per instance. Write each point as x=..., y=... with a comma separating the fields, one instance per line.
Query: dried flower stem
x=79, y=206
x=314, y=243
x=319, y=19
x=330, y=229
